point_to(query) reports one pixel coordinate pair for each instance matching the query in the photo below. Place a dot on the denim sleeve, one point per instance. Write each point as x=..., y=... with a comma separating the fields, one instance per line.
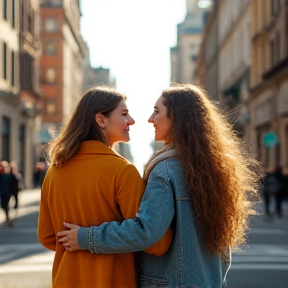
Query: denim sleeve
x=150, y=224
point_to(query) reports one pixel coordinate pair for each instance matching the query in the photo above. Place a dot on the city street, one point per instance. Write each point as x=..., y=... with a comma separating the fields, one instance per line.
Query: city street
x=24, y=263
x=263, y=263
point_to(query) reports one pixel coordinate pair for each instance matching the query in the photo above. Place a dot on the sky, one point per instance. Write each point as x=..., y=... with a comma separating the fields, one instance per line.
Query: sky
x=133, y=39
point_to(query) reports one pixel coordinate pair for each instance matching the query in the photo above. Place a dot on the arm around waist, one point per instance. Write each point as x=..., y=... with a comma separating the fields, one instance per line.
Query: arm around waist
x=149, y=226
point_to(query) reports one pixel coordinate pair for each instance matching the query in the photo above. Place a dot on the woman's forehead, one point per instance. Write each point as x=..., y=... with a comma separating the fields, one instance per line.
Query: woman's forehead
x=122, y=105
x=159, y=101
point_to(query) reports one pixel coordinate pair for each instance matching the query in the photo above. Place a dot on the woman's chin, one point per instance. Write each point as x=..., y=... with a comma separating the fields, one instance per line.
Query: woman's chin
x=125, y=139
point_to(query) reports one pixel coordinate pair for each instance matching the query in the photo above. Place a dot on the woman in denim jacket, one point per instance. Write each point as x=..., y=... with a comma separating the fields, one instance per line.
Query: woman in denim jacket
x=197, y=185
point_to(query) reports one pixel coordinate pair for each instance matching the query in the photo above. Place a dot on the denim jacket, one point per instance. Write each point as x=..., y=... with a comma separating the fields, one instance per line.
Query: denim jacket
x=166, y=201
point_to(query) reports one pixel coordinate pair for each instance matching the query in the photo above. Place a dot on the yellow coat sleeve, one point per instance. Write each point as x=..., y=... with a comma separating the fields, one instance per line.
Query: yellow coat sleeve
x=160, y=247
x=45, y=230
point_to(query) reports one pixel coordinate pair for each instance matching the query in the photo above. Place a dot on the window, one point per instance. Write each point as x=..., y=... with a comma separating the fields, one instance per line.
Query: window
x=50, y=76
x=277, y=47
x=286, y=143
x=287, y=33
x=13, y=13
x=275, y=7
x=278, y=6
x=5, y=9
x=50, y=47
x=6, y=138
x=263, y=60
x=51, y=2
x=50, y=25
x=13, y=68
x=4, y=61
x=272, y=53
x=22, y=136
x=26, y=71
x=51, y=106
x=30, y=20
x=272, y=8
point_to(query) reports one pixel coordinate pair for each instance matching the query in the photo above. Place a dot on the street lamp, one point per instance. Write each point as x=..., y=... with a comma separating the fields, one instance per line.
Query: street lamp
x=204, y=4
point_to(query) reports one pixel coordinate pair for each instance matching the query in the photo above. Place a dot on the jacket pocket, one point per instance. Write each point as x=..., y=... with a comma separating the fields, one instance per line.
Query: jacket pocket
x=151, y=281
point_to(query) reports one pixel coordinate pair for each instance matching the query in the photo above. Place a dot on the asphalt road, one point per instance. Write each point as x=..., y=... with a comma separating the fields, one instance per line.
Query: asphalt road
x=24, y=263
x=263, y=262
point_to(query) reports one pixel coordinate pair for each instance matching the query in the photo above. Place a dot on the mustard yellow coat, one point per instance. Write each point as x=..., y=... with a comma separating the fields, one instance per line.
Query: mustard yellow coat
x=94, y=186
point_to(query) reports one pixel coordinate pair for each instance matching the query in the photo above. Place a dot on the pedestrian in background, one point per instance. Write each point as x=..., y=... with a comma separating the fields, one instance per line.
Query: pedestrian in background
x=88, y=182
x=16, y=182
x=273, y=190
x=5, y=189
x=197, y=184
x=39, y=173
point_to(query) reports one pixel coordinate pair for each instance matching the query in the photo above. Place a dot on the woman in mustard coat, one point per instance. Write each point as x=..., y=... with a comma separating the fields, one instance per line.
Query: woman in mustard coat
x=88, y=183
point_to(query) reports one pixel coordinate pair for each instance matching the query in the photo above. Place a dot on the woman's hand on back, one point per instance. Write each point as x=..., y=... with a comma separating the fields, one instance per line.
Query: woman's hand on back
x=69, y=237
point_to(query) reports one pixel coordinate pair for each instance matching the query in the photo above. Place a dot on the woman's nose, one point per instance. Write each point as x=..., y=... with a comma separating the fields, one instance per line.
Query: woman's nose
x=150, y=120
x=131, y=121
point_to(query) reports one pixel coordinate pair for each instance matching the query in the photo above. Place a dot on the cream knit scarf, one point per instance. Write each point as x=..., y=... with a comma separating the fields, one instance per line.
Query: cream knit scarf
x=167, y=152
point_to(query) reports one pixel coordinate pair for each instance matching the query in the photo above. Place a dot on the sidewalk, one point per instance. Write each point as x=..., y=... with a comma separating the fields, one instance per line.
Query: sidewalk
x=28, y=203
x=24, y=262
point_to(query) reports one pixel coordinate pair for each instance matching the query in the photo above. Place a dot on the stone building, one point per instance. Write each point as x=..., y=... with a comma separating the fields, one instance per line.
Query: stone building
x=269, y=82
x=247, y=43
x=234, y=22
x=64, y=51
x=183, y=57
x=30, y=94
x=9, y=80
x=207, y=66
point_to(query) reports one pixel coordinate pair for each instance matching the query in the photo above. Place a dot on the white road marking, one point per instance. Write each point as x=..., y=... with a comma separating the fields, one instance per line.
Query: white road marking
x=259, y=266
x=37, y=262
x=266, y=231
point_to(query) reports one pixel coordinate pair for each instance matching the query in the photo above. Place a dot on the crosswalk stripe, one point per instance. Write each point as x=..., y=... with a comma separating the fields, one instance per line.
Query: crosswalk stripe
x=26, y=268
x=263, y=249
x=259, y=266
x=266, y=231
x=20, y=230
x=254, y=257
x=37, y=263
x=260, y=258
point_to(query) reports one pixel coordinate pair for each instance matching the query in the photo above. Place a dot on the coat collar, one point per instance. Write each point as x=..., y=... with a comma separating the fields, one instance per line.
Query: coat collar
x=95, y=147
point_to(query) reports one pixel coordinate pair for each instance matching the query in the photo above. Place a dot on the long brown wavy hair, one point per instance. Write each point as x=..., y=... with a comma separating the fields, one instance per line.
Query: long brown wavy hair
x=219, y=171
x=82, y=125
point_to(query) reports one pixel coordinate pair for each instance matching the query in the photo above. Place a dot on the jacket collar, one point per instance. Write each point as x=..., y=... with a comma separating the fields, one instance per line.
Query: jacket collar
x=95, y=147
x=167, y=152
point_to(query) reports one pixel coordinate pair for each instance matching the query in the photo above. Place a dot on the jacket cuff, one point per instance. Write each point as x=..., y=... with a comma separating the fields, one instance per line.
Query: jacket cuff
x=82, y=237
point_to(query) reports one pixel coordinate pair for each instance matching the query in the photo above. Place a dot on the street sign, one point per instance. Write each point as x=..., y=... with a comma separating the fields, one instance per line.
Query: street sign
x=270, y=139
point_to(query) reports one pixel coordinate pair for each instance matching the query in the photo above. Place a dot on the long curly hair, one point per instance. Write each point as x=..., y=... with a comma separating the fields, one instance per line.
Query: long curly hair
x=219, y=171
x=82, y=125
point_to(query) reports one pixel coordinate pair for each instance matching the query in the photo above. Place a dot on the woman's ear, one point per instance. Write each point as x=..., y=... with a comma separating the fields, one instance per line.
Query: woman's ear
x=99, y=118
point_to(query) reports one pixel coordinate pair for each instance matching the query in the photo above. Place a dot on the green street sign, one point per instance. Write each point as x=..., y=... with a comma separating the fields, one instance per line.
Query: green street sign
x=270, y=139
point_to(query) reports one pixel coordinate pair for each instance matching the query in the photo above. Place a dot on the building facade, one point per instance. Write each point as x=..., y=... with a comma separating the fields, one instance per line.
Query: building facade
x=30, y=94
x=207, y=73
x=183, y=57
x=234, y=22
x=9, y=80
x=98, y=76
x=61, y=63
x=269, y=82
x=252, y=72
